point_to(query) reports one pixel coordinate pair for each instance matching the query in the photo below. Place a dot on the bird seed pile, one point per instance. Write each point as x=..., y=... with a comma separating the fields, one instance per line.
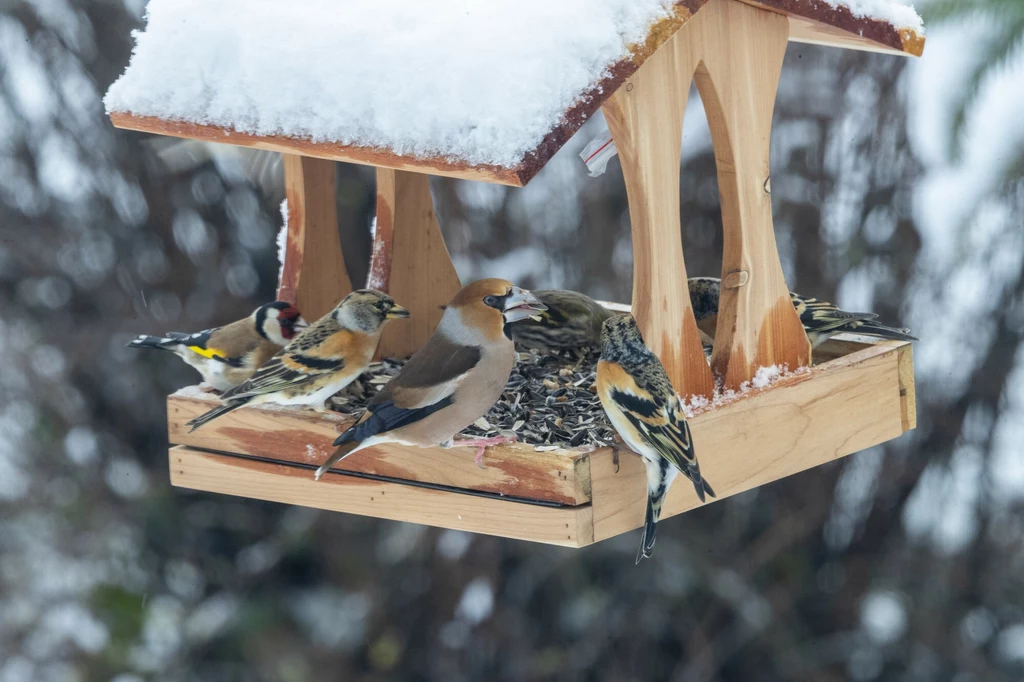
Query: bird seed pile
x=549, y=401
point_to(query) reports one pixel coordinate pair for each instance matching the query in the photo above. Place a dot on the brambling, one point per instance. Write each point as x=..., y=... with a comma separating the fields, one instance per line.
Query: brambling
x=645, y=410
x=320, y=361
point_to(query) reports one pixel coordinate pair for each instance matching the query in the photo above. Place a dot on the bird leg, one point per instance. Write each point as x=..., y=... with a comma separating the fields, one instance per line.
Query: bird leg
x=481, y=444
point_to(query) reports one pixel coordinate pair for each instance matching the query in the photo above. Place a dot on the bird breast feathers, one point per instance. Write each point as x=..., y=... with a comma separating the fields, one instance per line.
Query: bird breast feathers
x=618, y=386
x=346, y=344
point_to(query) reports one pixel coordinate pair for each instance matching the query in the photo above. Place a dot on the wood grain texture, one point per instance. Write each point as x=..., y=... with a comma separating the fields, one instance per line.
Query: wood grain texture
x=824, y=413
x=822, y=23
x=410, y=260
x=367, y=156
x=314, y=275
x=908, y=392
x=304, y=437
x=646, y=121
x=741, y=50
x=190, y=468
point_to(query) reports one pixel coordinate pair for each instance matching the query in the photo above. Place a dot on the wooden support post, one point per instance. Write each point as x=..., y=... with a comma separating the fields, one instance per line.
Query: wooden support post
x=314, y=275
x=741, y=50
x=645, y=117
x=410, y=260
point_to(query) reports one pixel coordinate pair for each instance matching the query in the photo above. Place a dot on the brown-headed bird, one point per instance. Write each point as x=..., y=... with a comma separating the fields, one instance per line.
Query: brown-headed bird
x=821, y=319
x=320, y=361
x=226, y=356
x=571, y=321
x=452, y=381
x=643, y=407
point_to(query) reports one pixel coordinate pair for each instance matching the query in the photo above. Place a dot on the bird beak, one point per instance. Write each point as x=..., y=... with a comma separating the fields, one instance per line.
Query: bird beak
x=299, y=324
x=521, y=304
x=397, y=312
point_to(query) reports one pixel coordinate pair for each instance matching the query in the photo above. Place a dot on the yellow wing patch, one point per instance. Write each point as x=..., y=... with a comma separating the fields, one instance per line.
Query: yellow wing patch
x=209, y=353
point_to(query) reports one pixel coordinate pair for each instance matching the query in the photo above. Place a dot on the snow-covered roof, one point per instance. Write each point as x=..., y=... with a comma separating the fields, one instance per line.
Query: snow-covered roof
x=496, y=87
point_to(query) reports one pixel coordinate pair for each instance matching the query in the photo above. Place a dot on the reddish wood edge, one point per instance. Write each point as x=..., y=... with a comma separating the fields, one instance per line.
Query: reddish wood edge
x=901, y=40
x=303, y=437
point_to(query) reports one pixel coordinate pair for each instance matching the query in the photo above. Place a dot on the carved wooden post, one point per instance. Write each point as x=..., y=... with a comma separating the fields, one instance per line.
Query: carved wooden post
x=410, y=260
x=741, y=51
x=645, y=117
x=314, y=275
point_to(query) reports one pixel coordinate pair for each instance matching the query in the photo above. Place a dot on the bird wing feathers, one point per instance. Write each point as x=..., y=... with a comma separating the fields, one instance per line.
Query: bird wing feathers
x=228, y=344
x=425, y=385
x=822, y=316
x=316, y=352
x=652, y=408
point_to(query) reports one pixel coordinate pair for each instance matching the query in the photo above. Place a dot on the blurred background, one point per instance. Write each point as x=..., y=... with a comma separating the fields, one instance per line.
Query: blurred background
x=898, y=187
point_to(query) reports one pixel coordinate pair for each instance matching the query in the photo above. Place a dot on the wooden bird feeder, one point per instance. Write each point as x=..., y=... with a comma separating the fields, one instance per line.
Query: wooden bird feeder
x=853, y=396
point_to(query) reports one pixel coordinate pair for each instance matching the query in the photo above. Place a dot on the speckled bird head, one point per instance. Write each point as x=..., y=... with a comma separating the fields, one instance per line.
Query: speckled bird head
x=366, y=310
x=621, y=340
x=704, y=293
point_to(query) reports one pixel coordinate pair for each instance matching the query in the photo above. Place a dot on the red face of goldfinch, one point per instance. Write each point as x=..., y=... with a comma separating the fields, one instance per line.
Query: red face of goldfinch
x=279, y=322
x=490, y=304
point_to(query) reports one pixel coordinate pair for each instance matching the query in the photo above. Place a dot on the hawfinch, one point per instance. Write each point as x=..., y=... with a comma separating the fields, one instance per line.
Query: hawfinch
x=452, y=381
x=226, y=356
x=571, y=321
x=821, y=319
x=320, y=361
x=643, y=407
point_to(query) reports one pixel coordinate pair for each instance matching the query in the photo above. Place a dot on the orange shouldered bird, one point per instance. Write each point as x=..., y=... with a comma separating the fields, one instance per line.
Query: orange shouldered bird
x=320, y=361
x=644, y=408
x=452, y=381
x=226, y=356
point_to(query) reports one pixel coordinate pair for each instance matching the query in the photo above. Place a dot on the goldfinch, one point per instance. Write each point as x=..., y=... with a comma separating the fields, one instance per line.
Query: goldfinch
x=320, y=361
x=571, y=321
x=643, y=407
x=226, y=356
x=821, y=319
x=452, y=381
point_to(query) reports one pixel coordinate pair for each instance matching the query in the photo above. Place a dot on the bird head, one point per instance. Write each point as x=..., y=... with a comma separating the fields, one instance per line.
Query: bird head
x=367, y=309
x=279, y=322
x=621, y=340
x=490, y=304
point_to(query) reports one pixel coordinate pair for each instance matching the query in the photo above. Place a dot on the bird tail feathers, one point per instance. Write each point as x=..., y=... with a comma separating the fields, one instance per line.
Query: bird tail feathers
x=153, y=342
x=344, y=450
x=218, y=411
x=873, y=328
x=650, y=528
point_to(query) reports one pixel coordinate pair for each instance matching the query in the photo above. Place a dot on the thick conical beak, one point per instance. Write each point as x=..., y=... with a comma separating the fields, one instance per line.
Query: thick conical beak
x=521, y=304
x=397, y=312
x=299, y=324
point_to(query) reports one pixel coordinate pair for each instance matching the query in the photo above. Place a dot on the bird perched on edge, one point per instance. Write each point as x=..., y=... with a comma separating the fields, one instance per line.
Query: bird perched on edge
x=821, y=319
x=226, y=356
x=320, y=361
x=644, y=408
x=571, y=321
x=452, y=381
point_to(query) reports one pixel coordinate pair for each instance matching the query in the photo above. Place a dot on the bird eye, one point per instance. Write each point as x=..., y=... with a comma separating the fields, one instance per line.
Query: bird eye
x=490, y=300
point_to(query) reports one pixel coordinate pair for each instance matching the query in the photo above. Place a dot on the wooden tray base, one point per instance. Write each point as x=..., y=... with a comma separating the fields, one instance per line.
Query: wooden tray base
x=859, y=395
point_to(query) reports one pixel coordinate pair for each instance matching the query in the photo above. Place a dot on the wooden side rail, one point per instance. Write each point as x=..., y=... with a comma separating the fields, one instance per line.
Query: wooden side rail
x=735, y=51
x=314, y=275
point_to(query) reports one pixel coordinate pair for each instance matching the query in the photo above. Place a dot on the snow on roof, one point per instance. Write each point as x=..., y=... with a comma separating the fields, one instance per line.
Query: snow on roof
x=889, y=11
x=500, y=84
x=482, y=82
